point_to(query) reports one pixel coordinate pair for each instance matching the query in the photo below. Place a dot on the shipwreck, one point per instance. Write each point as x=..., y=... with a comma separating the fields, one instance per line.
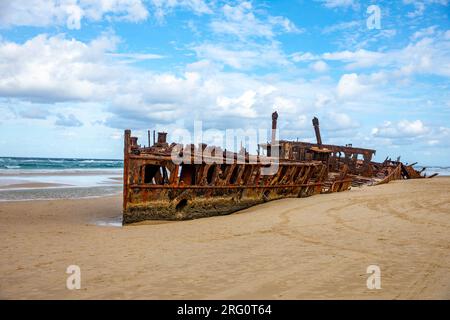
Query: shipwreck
x=208, y=181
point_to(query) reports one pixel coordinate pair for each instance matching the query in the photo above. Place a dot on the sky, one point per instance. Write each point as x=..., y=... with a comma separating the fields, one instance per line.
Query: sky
x=75, y=73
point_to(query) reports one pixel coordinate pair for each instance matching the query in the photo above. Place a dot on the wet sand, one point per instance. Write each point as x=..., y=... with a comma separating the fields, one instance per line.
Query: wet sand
x=32, y=185
x=311, y=248
x=22, y=185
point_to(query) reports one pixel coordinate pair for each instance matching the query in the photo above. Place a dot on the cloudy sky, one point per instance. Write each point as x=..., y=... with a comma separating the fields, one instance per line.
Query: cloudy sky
x=75, y=73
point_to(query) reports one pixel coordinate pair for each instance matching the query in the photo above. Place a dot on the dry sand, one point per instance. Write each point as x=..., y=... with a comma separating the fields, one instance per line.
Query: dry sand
x=317, y=247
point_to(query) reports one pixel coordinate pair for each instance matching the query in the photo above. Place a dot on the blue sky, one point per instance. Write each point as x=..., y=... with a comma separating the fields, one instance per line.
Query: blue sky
x=75, y=73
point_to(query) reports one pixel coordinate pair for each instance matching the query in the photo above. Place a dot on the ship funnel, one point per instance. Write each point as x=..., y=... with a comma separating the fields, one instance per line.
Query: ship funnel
x=315, y=123
x=274, y=127
x=162, y=137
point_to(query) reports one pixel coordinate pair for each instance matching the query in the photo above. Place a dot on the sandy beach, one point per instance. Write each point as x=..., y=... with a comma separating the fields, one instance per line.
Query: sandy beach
x=310, y=248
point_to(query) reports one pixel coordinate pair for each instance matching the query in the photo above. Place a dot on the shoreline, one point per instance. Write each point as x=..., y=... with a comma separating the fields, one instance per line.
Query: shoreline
x=299, y=248
x=31, y=185
x=59, y=184
x=59, y=193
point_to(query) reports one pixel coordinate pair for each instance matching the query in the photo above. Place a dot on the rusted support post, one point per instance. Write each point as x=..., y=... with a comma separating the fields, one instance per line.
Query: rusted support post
x=126, y=161
x=274, y=127
x=154, y=137
x=315, y=123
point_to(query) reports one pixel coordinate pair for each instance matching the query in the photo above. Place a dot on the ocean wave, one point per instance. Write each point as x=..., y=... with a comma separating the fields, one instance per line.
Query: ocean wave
x=429, y=170
x=15, y=163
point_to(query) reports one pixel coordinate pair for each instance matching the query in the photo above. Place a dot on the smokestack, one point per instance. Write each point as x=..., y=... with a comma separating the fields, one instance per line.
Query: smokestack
x=162, y=137
x=149, y=142
x=274, y=127
x=315, y=123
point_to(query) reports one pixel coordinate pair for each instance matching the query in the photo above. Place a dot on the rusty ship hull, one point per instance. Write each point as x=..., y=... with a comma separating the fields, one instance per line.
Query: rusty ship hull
x=157, y=188
x=210, y=182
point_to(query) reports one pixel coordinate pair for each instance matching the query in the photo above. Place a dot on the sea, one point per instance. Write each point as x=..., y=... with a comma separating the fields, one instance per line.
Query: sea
x=16, y=163
x=24, y=179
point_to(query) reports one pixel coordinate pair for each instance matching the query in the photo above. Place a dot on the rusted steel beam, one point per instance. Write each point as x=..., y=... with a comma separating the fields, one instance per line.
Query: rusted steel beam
x=333, y=148
x=395, y=174
x=151, y=186
x=261, y=161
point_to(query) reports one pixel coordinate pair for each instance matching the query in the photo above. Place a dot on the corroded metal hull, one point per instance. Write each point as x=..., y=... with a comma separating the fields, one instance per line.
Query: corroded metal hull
x=156, y=188
x=210, y=182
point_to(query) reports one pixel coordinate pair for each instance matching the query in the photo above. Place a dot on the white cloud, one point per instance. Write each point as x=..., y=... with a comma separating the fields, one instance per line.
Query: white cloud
x=419, y=8
x=319, y=66
x=48, y=70
x=342, y=26
x=240, y=106
x=135, y=57
x=55, y=68
x=350, y=85
x=427, y=53
x=413, y=128
x=67, y=120
x=322, y=100
x=33, y=112
x=245, y=38
x=163, y=7
x=427, y=56
x=44, y=13
x=401, y=129
x=421, y=5
x=447, y=35
x=412, y=132
x=355, y=59
x=335, y=121
x=285, y=24
x=242, y=56
x=304, y=56
x=284, y=105
x=338, y=3
x=242, y=22
x=424, y=32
